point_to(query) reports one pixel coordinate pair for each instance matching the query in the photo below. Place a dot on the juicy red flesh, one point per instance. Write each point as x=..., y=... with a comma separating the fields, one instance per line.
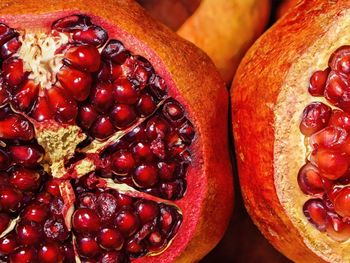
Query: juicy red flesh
x=326, y=175
x=105, y=89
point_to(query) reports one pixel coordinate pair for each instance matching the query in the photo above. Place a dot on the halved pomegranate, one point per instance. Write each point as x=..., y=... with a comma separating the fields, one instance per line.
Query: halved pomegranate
x=224, y=29
x=112, y=148
x=291, y=126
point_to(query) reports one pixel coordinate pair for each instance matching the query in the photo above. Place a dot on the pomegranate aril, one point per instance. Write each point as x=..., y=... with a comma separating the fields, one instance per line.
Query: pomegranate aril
x=123, y=116
x=71, y=23
x=88, y=200
x=127, y=222
x=110, y=238
x=85, y=57
x=42, y=110
x=113, y=257
x=93, y=35
x=340, y=60
x=337, y=229
x=8, y=244
x=145, y=175
x=123, y=200
x=340, y=119
x=158, y=148
x=115, y=51
x=135, y=247
x=142, y=152
x=315, y=117
x=186, y=132
x=13, y=71
x=10, y=48
x=146, y=105
x=4, y=222
x=77, y=83
x=25, y=179
x=156, y=240
x=26, y=155
x=337, y=91
x=85, y=221
x=69, y=254
x=16, y=127
x=125, y=92
x=56, y=207
x=173, y=190
x=102, y=128
x=50, y=253
x=106, y=207
x=53, y=188
x=87, y=246
x=56, y=229
x=36, y=212
x=173, y=111
x=4, y=160
x=10, y=199
x=318, y=82
x=29, y=233
x=123, y=162
x=342, y=202
x=4, y=95
x=158, y=86
x=24, y=255
x=309, y=180
x=316, y=212
x=147, y=211
x=87, y=115
x=44, y=198
x=166, y=171
x=102, y=97
x=6, y=33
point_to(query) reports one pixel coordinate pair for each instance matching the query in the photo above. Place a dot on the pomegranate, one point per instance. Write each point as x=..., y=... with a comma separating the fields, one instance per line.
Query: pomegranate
x=291, y=126
x=214, y=26
x=285, y=6
x=109, y=150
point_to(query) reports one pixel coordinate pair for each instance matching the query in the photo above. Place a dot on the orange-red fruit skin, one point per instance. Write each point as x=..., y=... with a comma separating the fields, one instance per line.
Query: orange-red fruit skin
x=256, y=87
x=194, y=81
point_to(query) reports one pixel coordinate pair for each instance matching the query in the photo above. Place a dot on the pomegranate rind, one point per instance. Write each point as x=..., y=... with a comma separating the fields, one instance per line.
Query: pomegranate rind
x=285, y=6
x=268, y=97
x=209, y=179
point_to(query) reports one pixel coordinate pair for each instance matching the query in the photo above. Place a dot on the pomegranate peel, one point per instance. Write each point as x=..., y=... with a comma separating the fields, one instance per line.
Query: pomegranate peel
x=267, y=111
x=176, y=121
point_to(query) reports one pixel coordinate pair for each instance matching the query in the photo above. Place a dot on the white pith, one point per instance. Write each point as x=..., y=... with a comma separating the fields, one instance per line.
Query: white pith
x=289, y=140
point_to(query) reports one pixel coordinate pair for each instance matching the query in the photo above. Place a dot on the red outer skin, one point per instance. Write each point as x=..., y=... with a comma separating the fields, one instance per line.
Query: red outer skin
x=254, y=93
x=286, y=6
x=193, y=80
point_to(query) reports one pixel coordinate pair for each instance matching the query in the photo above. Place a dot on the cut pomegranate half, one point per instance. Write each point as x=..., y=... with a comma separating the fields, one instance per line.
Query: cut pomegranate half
x=291, y=105
x=107, y=146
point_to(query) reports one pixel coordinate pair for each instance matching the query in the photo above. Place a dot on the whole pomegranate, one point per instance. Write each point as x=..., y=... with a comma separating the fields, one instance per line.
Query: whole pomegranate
x=291, y=120
x=112, y=148
x=224, y=29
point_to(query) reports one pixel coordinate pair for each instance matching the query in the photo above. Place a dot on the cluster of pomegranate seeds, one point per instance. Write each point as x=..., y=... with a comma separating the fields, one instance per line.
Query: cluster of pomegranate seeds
x=97, y=85
x=326, y=175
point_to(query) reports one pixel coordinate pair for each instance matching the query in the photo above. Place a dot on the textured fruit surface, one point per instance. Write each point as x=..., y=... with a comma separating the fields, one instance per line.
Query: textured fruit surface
x=100, y=155
x=298, y=122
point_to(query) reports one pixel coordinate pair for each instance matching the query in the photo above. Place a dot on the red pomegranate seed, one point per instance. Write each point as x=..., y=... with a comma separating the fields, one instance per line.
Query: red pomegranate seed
x=4, y=160
x=342, y=202
x=158, y=148
x=87, y=246
x=337, y=91
x=316, y=213
x=142, y=151
x=110, y=238
x=102, y=128
x=332, y=165
x=85, y=221
x=93, y=35
x=315, y=117
x=10, y=199
x=53, y=188
x=124, y=200
x=166, y=171
x=125, y=92
x=44, y=197
x=4, y=96
x=68, y=253
x=340, y=119
x=309, y=180
x=105, y=72
x=123, y=115
x=122, y=162
x=156, y=240
x=84, y=57
x=115, y=51
x=16, y=127
x=25, y=255
x=4, y=222
x=49, y=253
x=146, y=105
x=42, y=110
x=145, y=175
x=10, y=48
x=116, y=71
x=106, y=207
x=147, y=211
x=75, y=82
x=25, y=179
x=157, y=128
x=55, y=229
x=6, y=33
x=13, y=71
x=340, y=60
x=127, y=222
x=8, y=244
x=71, y=23
x=36, y=212
x=318, y=82
x=173, y=111
x=112, y=256
x=102, y=97
x=88, y=200
x=134, y=246
x=337, y=229
x=62, y=105
x=186, y=132
x=87, y=115
x=173, y=190
x=29, y=233
x=158, y=86
x=26, y=155
x=56, y=207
